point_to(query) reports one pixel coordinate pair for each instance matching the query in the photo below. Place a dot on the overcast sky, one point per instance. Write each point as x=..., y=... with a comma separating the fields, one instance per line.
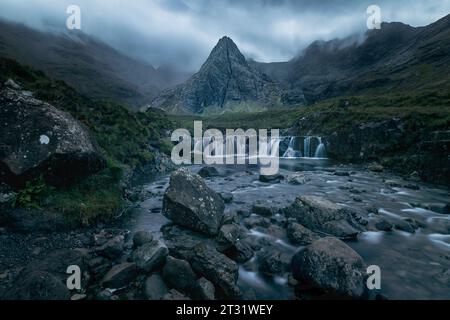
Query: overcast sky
x=182, y=32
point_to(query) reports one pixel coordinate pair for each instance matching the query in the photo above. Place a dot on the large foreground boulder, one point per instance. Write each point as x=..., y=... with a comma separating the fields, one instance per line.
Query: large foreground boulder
x=326, y=217
x=329, y=263
x=38, y=139
x=191, y=203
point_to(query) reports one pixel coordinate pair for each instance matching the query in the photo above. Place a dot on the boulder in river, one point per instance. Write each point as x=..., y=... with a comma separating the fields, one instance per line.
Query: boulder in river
x=191, y=203
x=330, y=264
x=323, y=216
x=298, y=234
x=38, y=139
x=208, y=171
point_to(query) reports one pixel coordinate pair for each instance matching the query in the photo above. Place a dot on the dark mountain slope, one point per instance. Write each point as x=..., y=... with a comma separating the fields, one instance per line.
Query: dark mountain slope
x=90, y=66
x=398, y=57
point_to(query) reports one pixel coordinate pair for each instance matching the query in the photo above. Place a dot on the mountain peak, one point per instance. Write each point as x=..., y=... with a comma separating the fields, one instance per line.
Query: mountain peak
x=226, y=51
x=224, y=81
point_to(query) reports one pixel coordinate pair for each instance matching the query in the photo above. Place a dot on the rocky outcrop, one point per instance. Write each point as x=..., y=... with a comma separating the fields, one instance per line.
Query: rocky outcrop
x=224, y=81
x=323, y=216
x=38, y=139
x=330, y=264
x=191, y=203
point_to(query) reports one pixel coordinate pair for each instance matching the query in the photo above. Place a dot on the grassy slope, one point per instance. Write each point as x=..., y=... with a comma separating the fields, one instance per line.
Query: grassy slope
x=122, y=134
x=433, y=106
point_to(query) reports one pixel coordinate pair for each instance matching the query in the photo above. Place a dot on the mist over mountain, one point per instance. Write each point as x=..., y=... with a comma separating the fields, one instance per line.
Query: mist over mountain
x=396, y=57
x=89, y=65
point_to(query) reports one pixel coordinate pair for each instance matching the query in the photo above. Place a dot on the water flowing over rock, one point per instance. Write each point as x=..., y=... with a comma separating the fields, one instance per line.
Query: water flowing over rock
x=323, y=216
x=191, y=203
x=307, y=147
x=38, y=139
x=330, y=264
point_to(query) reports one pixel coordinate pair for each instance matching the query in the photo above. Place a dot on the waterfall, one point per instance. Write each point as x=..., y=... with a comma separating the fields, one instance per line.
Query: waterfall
x=313, y=147
x=320, y=151
x=290, y=152
x=307, y=147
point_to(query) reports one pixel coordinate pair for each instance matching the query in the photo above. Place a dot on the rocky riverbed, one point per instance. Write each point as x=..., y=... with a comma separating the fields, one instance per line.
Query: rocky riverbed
x=309, y=232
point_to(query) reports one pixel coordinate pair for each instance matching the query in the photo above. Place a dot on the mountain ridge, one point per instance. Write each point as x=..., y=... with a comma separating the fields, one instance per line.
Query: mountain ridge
x=92, y=67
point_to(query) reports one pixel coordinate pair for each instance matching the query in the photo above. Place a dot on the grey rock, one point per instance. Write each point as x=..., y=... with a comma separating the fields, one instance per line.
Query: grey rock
x=273, y=262
x=228, y=235
x=256, y=221
x=271, y=178
x=262, y=209
x=150, y=256
x=38, y=285
x=39, y=139
x=120, y=276
x=175, y=295
x=297, y=178
x=113, y=248
x=217, y=268
x=322, y=216
x=329, y=263
x=205, y=289
x=227, y=197
x=142, y=237
x=155, y=288
x=298, y=234
x=207, y=172
x=191, y=203
x=179, y=274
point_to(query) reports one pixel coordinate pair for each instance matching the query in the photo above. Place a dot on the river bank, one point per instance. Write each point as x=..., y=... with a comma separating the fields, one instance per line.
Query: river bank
x=406, y=232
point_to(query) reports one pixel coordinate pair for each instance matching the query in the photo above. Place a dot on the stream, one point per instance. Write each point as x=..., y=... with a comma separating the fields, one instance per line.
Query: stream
x=414, y=264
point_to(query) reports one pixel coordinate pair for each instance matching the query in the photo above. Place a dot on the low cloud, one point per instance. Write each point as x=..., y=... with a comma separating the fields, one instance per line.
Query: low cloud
x=182, y=32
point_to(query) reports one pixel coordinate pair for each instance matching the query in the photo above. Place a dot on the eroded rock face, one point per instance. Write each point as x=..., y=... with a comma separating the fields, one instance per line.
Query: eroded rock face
x=323, y=216
x=189, y=202
x=225, y=80
x=38, y=139
x=329, y=263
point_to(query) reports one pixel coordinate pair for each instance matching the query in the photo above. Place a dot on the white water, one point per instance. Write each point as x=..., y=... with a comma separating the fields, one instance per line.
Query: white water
x=319, y=152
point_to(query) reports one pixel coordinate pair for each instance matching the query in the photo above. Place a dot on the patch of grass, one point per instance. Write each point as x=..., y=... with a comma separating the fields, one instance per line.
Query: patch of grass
x=30, y=197
x=98, y=197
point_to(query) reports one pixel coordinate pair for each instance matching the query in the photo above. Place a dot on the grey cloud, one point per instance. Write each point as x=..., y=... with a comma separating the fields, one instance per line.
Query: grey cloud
x=182, y=32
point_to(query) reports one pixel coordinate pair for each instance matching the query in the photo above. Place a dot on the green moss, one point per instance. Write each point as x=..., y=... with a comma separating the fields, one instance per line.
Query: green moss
x=123, y=135
x=97, y=198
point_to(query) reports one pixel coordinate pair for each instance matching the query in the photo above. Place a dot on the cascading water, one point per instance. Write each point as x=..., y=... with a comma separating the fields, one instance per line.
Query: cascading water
x=291, y=152
x=321, y=152
x=307, y=147
x=313, y=147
